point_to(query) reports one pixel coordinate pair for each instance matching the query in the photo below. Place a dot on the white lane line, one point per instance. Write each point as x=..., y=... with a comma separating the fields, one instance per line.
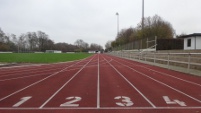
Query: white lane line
x=172, y=76
x=102, y=108
x=33, y=65
x=43, y=72
x=195, y=99
x=37, y=82
x=21, y=66
x=24, y=77
x=103, y=63
x=32, y=68
x=36, y=75
x=132, y=85
x=64, y=84
x=98, y=85
x=31, y=71
x=164, y=74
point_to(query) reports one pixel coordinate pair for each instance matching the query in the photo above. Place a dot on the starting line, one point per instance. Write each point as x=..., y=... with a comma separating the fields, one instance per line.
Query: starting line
x=101, y=108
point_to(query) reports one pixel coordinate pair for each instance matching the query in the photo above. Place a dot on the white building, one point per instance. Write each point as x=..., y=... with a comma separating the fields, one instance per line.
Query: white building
x=94, y=52
x=192, y=41
x=53, y=51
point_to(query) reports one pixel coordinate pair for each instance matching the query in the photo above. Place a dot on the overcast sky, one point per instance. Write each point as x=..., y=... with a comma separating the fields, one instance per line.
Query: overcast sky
x=93, y=21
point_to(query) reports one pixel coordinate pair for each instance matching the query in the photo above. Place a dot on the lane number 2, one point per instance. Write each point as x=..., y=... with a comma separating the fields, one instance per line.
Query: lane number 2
x=23, y=100
x=168, y=101
x=125, y=101
x=72, y=102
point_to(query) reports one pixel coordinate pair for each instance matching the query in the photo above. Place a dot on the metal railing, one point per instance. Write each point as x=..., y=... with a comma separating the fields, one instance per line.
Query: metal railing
x=185, y=60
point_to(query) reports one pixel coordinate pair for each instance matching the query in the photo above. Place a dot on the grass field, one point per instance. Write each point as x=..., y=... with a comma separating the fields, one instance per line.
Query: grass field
x=40, y=57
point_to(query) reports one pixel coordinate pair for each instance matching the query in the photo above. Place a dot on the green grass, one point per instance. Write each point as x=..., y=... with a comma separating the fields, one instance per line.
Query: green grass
x=41, y=57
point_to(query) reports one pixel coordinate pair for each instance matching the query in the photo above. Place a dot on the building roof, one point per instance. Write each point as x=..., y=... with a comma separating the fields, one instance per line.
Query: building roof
x=191, y=35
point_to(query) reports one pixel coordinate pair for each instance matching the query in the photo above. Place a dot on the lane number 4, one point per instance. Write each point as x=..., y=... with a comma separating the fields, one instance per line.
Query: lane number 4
x=168, y=101
x=125, y=101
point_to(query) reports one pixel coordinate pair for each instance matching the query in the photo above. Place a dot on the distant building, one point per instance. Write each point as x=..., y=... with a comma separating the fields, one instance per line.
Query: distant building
x=192, y=41
x=53, y=51
x=92, y=51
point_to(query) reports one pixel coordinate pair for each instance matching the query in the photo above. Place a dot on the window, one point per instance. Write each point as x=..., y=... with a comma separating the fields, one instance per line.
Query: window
x=189, y=43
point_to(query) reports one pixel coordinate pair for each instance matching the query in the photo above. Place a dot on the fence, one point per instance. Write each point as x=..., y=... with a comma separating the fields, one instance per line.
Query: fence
x=138, y=44
x=153, y=43
x=185, y=60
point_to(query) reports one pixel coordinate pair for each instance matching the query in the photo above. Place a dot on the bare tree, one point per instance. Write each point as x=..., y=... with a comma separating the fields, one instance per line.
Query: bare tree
x=22, y=42
x=32, y=39
x=153, y=26
x=42, y=38
x=2, y=34
x=81, y=45
x=95, y=47
x=108, y=46
x=64, y=47
x=48, y=45
x=6, y=44
x=15, y=42
x=3, y=46
x=156, y=26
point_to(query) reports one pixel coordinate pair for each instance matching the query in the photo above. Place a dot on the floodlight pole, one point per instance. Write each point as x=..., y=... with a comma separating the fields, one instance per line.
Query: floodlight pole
x=117, y=23
x=142, y=14
x=140, y=47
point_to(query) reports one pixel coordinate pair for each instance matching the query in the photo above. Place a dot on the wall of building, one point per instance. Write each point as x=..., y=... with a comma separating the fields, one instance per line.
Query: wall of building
x=192, y=43
x=198, y=42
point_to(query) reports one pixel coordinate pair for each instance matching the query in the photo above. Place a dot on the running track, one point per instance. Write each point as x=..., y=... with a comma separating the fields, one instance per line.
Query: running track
x=98, y=84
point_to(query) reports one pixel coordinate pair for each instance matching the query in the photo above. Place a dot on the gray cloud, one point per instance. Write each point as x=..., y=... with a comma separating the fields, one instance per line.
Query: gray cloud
x=94, y=21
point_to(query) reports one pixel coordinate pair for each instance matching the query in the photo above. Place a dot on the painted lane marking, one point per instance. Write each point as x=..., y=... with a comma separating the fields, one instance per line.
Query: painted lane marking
x=24, y=77
x=173, y=76
x=168, y=101
x=37, y=82
x=125, y=101
x=23, y=100
x=103, y=108
x=30, y=70
x=71, y=102
x=98, y=84
x=195, y=99
x=65, y=84
x=47, y=66
x=71, y=69
x=132, y=85
x=164, y=74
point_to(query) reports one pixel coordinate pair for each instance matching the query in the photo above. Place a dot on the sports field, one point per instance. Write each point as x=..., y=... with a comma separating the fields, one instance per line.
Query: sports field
x=98, y=84
x=41, y=57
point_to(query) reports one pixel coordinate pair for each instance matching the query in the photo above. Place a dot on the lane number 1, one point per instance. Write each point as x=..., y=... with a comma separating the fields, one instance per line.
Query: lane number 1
x=23, y=100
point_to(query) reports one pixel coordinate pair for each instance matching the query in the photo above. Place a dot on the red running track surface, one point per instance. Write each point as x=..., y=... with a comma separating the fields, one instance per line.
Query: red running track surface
x=98, y=84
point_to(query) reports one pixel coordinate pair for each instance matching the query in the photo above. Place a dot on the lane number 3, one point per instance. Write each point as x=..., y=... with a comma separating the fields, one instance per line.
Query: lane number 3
x=125, y=101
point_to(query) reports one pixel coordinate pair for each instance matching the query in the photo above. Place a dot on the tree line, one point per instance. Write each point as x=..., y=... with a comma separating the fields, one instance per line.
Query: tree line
x=153, y=26
x=40, y=42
